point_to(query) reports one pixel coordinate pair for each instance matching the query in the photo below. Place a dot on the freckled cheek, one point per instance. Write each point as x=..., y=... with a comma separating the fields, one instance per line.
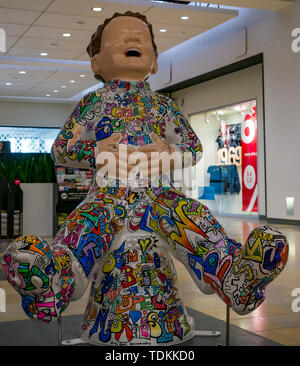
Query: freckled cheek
x=148, y=50
x=118, y=59
x=114, y=53
x=112, y=45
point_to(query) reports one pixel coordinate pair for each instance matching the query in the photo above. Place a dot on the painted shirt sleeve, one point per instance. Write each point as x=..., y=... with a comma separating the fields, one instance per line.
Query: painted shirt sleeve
x=75, y=145
x=180, y=133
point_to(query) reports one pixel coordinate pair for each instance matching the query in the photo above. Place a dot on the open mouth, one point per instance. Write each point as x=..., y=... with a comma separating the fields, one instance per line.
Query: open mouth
x=133, y=53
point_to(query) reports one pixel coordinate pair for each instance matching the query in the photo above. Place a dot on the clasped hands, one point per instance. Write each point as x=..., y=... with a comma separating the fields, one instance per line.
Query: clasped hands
x=147, y=159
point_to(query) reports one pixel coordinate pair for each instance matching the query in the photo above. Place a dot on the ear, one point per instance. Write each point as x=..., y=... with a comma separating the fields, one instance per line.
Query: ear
x=154, y=67
x=96, y=64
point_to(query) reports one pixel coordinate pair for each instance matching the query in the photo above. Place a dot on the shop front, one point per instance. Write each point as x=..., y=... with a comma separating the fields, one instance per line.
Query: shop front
x=226, y=177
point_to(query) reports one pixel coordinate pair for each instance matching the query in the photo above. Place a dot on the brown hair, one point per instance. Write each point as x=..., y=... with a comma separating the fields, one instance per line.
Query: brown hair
x=95, y=44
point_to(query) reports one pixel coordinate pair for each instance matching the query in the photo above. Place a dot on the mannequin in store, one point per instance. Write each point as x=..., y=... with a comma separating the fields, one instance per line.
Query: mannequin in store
x=121, y=236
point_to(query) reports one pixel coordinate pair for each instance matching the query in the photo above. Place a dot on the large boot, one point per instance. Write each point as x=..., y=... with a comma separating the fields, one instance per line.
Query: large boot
x=44, y=282
x=241, y=279
x=238, y=274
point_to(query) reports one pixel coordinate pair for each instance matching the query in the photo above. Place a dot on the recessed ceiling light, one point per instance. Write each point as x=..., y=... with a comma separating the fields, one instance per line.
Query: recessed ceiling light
x=8, y=83
x=44, y=54
x=162, y=30
x=82, y=75
x=72, y=81
x=184, y=18
x=97, y=9
x=63, y=86
x=22, y=72
x=48, y=95
x=55, y=91
x=66, y=34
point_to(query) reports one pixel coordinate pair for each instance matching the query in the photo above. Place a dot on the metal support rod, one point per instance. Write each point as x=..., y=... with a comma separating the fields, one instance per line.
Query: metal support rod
x=59, y=324
x=227, y=325
x=67, y=342
x=206, y=333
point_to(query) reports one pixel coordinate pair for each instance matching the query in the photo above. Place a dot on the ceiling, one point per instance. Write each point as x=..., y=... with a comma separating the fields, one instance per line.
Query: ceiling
x=228, y=114
x=274, y=5
x=63, y=75
x=241, y=108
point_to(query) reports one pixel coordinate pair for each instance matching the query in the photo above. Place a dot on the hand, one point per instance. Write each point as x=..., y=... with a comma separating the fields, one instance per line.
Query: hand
x=118, y=163
x=126, y=157
x=154, y=155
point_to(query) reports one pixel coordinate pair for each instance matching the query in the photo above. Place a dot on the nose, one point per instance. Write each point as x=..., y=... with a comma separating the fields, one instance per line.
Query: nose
x=132, y=37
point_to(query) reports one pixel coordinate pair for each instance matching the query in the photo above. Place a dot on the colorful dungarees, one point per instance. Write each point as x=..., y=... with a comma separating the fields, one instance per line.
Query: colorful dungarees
x=120, y=237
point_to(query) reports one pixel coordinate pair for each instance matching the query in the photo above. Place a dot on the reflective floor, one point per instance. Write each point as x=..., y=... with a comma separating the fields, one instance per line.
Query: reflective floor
x=274, y=319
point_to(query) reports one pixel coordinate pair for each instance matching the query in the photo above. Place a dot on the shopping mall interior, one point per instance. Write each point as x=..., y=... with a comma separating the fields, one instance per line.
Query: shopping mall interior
x=233, y=69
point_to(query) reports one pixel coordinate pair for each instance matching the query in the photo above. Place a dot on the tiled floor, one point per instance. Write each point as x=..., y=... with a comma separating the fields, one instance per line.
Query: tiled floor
x=274, y=319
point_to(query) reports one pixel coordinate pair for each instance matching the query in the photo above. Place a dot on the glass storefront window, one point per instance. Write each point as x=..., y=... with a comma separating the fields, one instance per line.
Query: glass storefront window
x=226, y=178
x=29, y=139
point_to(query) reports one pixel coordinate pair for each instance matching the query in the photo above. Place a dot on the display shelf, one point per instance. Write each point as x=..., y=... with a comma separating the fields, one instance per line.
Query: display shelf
x=73, y=187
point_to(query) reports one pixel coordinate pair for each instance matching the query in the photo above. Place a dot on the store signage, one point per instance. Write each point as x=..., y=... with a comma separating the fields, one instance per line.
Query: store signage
x=249, y=163
x=229, y=152
x=231, y=155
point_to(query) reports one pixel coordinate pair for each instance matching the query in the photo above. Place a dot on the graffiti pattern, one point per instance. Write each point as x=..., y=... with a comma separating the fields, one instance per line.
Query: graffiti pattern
x=42, y=275
x=129, y=108
x=121, y=238
x=134, y=298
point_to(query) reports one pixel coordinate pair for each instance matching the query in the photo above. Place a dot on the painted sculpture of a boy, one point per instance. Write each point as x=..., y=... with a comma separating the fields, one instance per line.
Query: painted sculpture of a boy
x=121, y=236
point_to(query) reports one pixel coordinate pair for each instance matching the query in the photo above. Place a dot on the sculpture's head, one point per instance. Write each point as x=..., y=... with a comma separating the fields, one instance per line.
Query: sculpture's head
x=123, y=48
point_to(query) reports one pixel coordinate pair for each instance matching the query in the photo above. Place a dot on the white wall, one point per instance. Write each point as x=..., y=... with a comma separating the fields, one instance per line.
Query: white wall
x=268, y=32
x=38, y=209
x=34, y=114
x=226, y=90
